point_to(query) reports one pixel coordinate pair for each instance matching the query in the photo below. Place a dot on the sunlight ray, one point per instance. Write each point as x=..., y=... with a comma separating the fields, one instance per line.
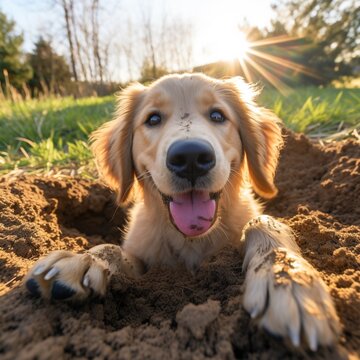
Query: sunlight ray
x=276, y=82
x=245, y=68
x=275, y=40
x=283, y=62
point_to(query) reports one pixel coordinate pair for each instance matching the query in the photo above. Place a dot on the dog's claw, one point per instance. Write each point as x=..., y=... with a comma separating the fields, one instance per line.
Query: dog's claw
x=254, y=313
x=39, y=269
x=312, y=339
x=60, y=291
x=294, y=337
x=33, y=287
x=86, y=281
x=53, y=272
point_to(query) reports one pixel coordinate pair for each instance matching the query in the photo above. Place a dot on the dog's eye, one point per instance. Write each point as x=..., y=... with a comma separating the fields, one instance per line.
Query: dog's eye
x=217, y=116
x=153, y=120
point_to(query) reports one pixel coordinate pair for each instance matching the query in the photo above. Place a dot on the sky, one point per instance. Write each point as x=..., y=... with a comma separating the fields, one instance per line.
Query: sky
x=212, y=21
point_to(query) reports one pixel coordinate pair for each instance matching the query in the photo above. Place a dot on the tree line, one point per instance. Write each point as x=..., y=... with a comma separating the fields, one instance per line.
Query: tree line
x=148, y=51
x=322, y=41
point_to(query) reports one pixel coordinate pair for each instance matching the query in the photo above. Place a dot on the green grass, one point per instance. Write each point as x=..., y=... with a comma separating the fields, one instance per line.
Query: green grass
x=53, y=133
x=316, y=112
x=42, y=134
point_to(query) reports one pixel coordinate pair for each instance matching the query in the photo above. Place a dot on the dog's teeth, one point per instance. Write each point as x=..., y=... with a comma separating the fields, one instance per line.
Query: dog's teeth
x=86, y=281
x=39, y=269
x=51, y=273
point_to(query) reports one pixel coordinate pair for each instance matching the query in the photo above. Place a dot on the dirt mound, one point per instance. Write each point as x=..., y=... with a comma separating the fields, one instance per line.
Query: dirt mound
x=170, y=313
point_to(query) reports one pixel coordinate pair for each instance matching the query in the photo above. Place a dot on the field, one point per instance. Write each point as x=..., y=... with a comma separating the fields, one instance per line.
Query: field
x=53, y=133
x=50, y=199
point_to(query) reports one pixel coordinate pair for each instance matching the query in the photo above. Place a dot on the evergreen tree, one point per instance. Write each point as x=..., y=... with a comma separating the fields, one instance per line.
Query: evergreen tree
x=12, y=58
x=50, y=70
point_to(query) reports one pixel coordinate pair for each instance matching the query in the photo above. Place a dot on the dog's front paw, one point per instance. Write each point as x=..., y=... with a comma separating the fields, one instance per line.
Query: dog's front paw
x=63, y=275
x=288, y=297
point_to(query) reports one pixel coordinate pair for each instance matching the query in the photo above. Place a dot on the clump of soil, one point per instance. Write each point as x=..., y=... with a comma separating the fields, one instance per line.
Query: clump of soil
x=170, y=312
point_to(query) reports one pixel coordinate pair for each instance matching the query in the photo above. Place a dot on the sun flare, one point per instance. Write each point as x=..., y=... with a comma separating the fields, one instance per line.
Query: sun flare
x=234, y=46
x=224, y=41
x=228, y=43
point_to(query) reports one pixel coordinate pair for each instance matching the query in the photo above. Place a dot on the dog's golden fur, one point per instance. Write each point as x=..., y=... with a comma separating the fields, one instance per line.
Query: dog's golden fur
x=248, y=144
x=282, y=290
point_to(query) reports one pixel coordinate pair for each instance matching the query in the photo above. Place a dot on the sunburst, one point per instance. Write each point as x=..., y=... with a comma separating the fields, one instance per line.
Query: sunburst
x=269, y=65
x=257, y=57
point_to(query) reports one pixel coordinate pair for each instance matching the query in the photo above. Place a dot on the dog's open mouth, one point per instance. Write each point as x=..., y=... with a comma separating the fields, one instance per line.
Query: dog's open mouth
x=193, y=213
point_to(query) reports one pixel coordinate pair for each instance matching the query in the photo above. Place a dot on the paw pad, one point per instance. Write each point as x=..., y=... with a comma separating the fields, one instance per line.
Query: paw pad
x=33, y=287
x=60, y=291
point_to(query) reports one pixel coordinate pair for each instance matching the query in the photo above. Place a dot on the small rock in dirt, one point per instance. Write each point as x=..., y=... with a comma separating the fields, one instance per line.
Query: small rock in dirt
x=197, y=318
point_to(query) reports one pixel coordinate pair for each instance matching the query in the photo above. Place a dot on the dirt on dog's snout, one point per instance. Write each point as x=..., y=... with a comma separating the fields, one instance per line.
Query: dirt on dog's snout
x=170, y=313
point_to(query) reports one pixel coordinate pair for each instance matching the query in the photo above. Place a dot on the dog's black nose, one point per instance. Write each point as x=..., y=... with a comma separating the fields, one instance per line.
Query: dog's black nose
x=190, y=158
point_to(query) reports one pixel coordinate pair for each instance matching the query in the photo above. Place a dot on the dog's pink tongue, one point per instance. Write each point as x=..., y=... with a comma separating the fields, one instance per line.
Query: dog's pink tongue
x=193, y=213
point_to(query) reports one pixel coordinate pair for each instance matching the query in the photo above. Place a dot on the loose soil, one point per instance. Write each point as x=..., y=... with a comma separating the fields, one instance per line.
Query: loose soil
x=170, y=313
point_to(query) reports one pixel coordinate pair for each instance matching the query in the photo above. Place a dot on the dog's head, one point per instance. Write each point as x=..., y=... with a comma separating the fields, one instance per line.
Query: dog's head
x=186, y=138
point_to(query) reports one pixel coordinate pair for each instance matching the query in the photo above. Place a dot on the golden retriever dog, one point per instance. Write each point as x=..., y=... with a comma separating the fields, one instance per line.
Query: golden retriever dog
x=191, y=151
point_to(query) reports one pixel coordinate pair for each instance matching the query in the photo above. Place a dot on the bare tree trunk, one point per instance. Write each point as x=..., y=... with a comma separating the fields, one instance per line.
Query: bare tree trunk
x=65, y=6
x=105, y=62
x=150, y=42
x=52, y=75
x=154, y=67
x=95, y=29
x=128, y=50
x=78, y=46
x=83, y=25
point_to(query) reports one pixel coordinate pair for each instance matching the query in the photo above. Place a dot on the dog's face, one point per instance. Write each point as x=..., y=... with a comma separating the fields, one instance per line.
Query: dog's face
x=186, y=141
x=186, y=137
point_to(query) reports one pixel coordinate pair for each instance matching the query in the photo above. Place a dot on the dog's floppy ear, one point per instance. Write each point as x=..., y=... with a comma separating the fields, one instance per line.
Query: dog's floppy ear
x=260, y=134
x=112, y=144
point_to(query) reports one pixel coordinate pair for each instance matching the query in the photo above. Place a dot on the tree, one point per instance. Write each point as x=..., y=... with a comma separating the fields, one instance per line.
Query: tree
x=67, y=8
x=50, y=70
x=331, y=28
x=89, y=51
x=149, y=72
x=12, y=59
x=166, y=45
x=95, y=38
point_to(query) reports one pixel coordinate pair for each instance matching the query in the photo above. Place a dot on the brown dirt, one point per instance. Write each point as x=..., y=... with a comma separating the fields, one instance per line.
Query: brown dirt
x=171, y=313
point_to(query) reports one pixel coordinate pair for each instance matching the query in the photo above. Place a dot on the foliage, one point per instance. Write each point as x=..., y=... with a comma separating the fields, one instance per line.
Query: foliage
x=150, y=72
x=331, y=29
x=50, y=70
x=53, y=133
x=14, y=69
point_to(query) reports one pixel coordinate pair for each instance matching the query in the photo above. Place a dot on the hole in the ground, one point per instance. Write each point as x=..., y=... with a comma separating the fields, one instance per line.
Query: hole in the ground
x=88, y=207
x=108, y=224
